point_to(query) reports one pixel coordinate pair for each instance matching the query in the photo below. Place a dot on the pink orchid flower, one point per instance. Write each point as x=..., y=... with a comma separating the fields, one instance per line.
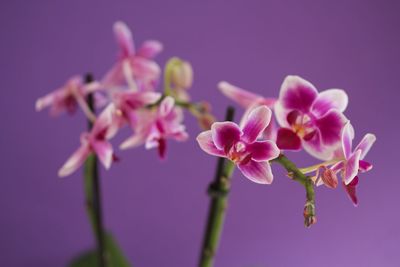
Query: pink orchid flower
x=154, y=127
x=240, y=145
x=134, y=67
x=310, y=119
x=352, y=161
x=249, y=101
x=95, y=141
x=128, y=102
x=68, y=97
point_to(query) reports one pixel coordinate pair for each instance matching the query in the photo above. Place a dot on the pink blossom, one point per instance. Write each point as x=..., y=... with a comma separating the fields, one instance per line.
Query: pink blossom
x=353, y=162
x=95, y=141
x=68, y=97
x=310, y=119
x=128, y=102
x=249, y=101
x=240, y=145
x=154, y=127
x=134, y=67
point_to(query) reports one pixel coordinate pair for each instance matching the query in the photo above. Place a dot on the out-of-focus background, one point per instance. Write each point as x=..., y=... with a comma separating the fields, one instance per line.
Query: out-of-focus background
x=156, y=209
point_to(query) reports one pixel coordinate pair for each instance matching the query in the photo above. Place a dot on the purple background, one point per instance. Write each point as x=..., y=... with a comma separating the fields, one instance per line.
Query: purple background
x=157, y=209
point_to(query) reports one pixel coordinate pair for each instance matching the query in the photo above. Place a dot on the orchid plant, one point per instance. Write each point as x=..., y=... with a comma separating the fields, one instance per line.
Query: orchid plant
x=306, y=119
x=125, y=97
x=301, y=118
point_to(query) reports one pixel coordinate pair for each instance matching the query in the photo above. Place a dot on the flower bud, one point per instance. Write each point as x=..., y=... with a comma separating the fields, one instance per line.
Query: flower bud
x=182, y=74
x=328, y=176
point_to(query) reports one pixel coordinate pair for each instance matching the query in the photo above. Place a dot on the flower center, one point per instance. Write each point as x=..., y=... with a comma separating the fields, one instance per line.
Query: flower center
x=238, y=154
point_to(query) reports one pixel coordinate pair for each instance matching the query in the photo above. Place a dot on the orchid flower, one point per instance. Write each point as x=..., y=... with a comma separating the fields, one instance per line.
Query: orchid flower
x=95, y=141
x=68, y=97
x=154, y=127
x=127, y=103
x=134, y=67
x=352, y=162
x=249, y=101
x=240, y=145
x=310, y=119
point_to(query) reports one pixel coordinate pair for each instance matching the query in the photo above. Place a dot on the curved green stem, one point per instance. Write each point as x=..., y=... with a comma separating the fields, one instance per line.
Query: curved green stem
x=218, y=192
x=92, y=188
x=297, y=175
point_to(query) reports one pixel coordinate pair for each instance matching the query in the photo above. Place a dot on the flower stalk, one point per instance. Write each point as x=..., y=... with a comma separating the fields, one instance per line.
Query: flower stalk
x=218, y=191
x=92, y=190
x=297, y=175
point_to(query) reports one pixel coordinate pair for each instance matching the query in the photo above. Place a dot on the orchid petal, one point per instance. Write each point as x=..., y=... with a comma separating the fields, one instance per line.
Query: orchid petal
x=145, y=69
x=351, y=167
x=281, y=115
x=46, y=101
x=133, y=141
x=115, y=76
x=240, y=96
x=255, y=123
x=166, y=106
x=347, y=139
x=330, y=99
x=351, y=190
x=287, y=139
x=104, y=152
x=258, y=172
x=124, y=38
x=364, y=166
x=317, y=149
x=150, y=49
x=330, y=127
x=297, y=93
x=263, y=150
x=75, y=161
x=207, y=144
x=366, y=144
x=225, y=134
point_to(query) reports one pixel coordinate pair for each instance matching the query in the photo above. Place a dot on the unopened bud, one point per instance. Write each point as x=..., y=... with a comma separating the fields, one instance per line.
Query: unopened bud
x=182, y=74
x=328, y=176
x=309, y=214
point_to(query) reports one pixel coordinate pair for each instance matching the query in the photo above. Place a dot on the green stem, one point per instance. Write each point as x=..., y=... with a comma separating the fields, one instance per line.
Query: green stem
x=218, y=192
x=92, y=189
x=296, y=174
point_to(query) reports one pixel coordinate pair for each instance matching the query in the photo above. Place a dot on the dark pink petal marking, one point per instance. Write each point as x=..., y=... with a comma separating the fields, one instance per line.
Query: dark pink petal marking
x=351, y=190
x=297, y=93
x=330, y=127
x=364, y=166
x=287, y=139
x=225, y=134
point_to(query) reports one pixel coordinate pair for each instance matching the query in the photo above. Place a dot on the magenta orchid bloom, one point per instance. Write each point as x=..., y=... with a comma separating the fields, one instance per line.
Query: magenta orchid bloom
x=95, y=141
x=134, y=67
x=128, y=102
x=249, y=101
x=240, y=145
x=67, y=98
x=310, y=119
x=154, y=127
x=353, y=161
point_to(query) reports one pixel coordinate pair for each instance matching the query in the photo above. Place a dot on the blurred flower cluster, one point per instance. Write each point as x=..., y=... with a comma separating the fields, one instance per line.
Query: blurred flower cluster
x=127, y=96
x=305, y=119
